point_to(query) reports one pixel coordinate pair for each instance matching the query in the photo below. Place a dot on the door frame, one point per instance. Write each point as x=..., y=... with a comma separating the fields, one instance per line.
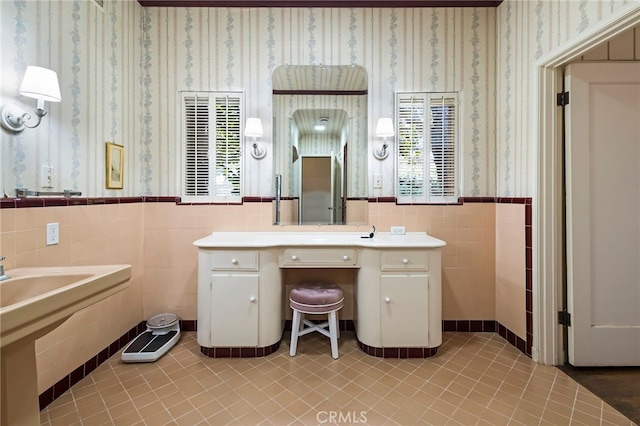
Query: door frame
x=548, y=258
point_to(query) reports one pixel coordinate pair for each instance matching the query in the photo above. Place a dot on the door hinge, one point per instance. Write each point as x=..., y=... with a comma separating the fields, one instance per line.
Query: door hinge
x=564, y=318
x=562, y=99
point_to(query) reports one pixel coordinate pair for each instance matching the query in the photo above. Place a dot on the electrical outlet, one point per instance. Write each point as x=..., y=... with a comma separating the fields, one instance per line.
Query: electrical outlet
x=53, y=233
x=397, y=230
x=377, y=181
x=46, y=177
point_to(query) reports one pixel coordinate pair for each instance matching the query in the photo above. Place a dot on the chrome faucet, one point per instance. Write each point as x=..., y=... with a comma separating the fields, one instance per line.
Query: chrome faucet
x=3, y=276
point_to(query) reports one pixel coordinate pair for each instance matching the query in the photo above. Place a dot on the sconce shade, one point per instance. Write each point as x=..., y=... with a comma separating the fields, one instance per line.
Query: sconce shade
x=384, y=128
x=40, y=83
x=253, y=128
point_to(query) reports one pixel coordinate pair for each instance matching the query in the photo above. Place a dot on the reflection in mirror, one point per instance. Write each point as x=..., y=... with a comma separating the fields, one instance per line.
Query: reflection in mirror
x=320, y=144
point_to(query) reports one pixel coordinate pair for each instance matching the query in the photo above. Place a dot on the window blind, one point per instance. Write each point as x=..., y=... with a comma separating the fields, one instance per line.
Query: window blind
x=427, y=147
x=212, y=133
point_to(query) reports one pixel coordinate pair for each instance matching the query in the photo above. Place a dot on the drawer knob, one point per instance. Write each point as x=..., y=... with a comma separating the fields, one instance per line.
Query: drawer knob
x=387, y=300
x=234, y=261
x=294, y=257
x=252, y=299
x=405, y=261
x=345, y=257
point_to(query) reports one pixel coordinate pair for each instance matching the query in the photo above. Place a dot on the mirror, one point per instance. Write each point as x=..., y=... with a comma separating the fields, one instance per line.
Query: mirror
x=320, y=144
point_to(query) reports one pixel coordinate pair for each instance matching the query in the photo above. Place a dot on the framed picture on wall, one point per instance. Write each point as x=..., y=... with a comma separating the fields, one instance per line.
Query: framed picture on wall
x=115, y=166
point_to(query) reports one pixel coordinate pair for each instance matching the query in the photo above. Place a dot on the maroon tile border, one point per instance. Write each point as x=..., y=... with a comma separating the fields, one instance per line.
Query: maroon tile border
x=397, y=352
x=236, y=352
x=491, y=326
x=64, y=384
x=528, y=252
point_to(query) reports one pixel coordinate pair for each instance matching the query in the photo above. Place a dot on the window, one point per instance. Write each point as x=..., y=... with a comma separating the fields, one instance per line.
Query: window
x=212, y=159
x=427, y=144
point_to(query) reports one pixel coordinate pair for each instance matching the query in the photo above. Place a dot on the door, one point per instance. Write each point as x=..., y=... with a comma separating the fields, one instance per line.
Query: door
x=405, y=310
x=317, y=177
x=603, y=213
x=234, y=309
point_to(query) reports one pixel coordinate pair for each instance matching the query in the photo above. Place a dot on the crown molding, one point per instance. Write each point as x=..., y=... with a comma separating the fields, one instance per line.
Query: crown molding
x=320, y=3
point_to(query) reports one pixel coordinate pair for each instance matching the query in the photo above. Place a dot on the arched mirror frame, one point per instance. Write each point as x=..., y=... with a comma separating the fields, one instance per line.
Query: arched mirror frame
x=322, y=90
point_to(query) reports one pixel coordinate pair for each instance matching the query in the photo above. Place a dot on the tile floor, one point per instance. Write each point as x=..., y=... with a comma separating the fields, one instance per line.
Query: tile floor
x=475, y=379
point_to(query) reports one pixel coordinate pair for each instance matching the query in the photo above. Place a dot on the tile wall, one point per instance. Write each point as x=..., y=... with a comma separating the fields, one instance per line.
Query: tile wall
x=157, y=239
x=89, y=235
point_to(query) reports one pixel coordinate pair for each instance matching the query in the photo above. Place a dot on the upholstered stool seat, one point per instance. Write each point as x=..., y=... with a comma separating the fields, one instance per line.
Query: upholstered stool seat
x=315, y=298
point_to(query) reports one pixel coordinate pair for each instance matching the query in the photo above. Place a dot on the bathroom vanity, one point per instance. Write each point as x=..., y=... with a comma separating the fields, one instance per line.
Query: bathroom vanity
x=397, y=291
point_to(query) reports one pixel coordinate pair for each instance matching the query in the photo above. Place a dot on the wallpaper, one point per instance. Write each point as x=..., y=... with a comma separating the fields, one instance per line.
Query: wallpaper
x=527, y=31
x=121, y=69
x=95, y=53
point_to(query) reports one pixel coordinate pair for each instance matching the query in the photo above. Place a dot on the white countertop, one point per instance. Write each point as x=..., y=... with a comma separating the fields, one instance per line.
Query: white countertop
x=317, y=239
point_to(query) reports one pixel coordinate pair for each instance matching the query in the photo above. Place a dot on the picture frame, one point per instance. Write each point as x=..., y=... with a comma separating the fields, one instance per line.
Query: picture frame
x=114, y=166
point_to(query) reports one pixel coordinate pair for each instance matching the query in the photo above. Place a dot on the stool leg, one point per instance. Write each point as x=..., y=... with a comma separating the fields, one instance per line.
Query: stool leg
x=295, y=329
x=333, y=331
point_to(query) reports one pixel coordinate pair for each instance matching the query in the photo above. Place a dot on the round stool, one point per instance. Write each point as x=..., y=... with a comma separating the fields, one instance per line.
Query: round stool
x=315, y=298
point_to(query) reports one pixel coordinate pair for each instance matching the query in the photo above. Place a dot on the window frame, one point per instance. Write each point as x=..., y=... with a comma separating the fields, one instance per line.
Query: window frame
x=427, y=195
x=213, y=193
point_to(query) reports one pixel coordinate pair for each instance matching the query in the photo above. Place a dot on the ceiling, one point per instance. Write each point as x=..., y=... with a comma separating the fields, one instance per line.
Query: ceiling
x=320, y=80
x=320, y=3
x=316, y=79
x=307, y=119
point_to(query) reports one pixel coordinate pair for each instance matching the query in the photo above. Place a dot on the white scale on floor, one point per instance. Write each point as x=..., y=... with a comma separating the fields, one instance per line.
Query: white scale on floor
x=163, y=332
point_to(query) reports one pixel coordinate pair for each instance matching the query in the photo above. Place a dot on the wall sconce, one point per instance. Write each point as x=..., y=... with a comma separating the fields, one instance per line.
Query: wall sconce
x=253, y=129
x=39, y=83
x=384, y=129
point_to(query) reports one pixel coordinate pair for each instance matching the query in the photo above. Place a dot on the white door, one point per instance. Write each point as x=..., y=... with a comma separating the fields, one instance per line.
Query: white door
x=603, y=213
x=234, y=309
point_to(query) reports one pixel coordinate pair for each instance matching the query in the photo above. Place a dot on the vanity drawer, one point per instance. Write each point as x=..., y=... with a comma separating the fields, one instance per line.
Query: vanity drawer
x=403, y=260
x=312, y=258
x=235, y=261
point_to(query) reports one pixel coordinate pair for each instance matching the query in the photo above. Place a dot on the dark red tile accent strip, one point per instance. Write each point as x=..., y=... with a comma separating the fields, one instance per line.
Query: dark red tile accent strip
x=64, y=384
x=257, y=199
x=525, y=346
x=470, y=325
x=240, y=352
x=489, y=326
x=397, y=352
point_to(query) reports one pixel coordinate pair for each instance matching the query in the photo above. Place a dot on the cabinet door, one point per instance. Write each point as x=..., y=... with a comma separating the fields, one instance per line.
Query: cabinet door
x=234, y=310
x=405, y=319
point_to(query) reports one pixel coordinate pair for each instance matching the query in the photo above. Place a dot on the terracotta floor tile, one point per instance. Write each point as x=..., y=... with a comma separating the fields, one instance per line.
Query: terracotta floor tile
x=475, y=378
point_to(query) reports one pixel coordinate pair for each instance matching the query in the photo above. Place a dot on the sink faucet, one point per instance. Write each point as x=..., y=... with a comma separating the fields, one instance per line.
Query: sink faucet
x=3, y=276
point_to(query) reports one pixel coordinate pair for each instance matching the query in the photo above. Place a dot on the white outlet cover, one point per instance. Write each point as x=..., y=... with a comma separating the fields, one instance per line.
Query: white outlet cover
x=53, y=233
x=398, y=230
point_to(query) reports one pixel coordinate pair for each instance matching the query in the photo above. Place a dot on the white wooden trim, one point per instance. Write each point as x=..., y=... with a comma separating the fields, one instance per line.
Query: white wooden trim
x=547, y=215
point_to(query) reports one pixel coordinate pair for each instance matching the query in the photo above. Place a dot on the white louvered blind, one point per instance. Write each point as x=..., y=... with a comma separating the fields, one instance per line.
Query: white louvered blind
x=427, y=145
x=211, y=145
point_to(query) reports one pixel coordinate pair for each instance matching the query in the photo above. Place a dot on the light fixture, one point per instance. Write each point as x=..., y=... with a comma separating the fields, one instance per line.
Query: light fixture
x=322, y=125
x=39, y=83
x=253, y=129
x=384, y=129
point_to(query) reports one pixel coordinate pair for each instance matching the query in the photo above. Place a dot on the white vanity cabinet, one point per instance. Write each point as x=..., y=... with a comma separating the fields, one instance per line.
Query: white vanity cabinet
x=404, y=294
x=404, y=319
x=234, y=309
x=397, y=292
x=231, y=284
